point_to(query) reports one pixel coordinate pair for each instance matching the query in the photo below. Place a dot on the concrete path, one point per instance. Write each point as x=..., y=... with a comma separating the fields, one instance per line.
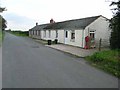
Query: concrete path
x=73, y=50
x=27, y=64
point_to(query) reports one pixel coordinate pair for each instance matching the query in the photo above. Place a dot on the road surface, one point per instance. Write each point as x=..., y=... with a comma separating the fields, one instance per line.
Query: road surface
x=28, y=64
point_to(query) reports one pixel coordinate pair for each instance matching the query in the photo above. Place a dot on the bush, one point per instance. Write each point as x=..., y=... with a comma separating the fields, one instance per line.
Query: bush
x=115, y=27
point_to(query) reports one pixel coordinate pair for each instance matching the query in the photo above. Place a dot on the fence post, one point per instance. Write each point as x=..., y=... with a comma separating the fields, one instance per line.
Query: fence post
x=100, y=44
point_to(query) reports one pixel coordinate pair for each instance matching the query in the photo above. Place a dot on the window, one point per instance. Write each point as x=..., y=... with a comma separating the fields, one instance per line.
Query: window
x=49, y=33
x=73, y=35
x=36, y=32
x=92, y=39
x=30, y=32
x=66, y=34
x=92, y=35
x=56, y=33
x=33, y=32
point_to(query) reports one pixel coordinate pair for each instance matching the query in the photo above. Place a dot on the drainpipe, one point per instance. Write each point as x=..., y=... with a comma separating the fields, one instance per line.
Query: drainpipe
x=88, y=31
x=64, y=36
x=83, y=37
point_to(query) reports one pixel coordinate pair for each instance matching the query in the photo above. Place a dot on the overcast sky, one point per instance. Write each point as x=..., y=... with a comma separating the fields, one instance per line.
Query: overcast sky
x=23, y=14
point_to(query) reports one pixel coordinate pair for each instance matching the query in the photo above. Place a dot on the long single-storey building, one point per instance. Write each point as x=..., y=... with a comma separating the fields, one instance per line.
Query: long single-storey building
x=84, y=32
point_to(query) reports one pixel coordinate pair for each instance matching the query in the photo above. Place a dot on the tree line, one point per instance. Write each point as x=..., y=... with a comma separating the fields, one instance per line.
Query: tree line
x=115, y=26
x=3, y=22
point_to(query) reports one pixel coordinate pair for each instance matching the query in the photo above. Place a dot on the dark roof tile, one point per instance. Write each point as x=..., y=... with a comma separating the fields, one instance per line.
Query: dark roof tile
x=39, y=27
x=72, y=24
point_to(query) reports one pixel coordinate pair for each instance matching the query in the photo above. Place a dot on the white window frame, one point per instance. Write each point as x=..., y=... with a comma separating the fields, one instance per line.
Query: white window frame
x=92, y=32
x=72, y=37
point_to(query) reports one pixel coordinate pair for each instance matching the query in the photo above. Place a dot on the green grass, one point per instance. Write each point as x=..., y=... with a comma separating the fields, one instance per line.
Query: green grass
x=108, y=61
x=0, y=37
x=20, y=33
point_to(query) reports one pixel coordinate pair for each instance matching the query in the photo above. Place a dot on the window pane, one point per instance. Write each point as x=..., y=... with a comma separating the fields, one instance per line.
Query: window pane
x=66, y=34
x=73, y=35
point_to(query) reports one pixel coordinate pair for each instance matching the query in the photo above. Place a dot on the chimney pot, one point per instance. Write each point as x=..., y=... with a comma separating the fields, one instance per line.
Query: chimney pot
x=36, y=23
x=52, y=21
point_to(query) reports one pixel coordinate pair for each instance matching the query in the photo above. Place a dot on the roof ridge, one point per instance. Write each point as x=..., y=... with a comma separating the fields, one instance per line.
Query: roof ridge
x=79, y=19
x=74, y=23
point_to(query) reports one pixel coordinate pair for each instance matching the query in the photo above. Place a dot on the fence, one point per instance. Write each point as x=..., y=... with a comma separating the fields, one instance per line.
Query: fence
x=102, y=44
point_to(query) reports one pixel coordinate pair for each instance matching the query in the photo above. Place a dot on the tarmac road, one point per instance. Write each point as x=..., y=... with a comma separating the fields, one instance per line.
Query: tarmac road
x=28, y=64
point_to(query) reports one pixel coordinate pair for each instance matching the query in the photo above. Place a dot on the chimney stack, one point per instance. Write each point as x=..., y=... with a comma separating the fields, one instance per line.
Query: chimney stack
x=36, y=23
x=52, y=21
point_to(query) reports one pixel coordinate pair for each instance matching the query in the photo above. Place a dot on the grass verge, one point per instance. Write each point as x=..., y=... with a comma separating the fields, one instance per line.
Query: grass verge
x=108, y=61
x=1, y=37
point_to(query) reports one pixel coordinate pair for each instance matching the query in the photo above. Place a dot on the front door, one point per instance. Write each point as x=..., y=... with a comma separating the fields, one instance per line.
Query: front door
x=92, y=39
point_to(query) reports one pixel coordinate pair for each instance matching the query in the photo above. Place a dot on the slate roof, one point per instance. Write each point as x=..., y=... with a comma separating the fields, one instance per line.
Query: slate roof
x=39, y=27
x=69, y=24
x=73, y=24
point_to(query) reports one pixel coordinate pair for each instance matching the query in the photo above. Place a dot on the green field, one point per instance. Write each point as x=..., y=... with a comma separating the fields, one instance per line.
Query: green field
x=20, y=33
x=108, y=61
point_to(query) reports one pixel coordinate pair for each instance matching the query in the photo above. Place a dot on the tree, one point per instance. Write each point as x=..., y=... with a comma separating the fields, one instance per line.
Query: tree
x=2, y=9
x=3, y=23
x=115, y=27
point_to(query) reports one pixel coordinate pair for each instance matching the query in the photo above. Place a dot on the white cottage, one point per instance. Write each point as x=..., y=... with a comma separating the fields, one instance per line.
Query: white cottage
x=79, y=32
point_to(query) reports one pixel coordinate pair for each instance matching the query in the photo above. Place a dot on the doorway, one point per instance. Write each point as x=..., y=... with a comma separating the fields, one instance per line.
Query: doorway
x=92, y=39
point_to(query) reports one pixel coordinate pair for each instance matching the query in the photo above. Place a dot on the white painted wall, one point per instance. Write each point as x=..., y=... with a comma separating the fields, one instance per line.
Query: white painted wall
x=101, y=27
x=51, y=37
x=35, y=34
x=61, y=36
x=78, y=38
x=47, y=35
x=30, y=33
x=42, y=34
